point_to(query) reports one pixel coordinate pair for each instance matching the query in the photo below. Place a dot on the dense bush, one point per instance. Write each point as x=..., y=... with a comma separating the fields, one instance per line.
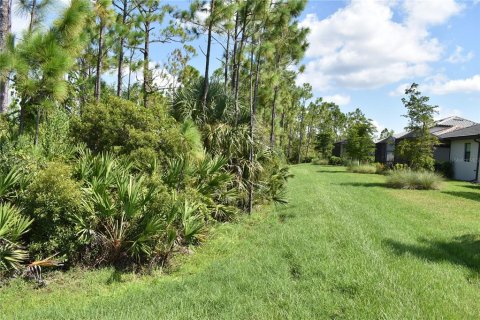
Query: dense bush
x=335, y=161
x=318, y=161
x=51, y=200
x=122, y=126
x=445, y=168
x=409, y=179
x=363, y=168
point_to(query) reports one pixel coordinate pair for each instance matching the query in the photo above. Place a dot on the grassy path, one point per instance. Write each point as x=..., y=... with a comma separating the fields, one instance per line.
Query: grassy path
x=345, y=247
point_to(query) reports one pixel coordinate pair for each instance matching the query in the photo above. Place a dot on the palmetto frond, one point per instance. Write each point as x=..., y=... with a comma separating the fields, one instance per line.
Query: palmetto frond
x=12, y=226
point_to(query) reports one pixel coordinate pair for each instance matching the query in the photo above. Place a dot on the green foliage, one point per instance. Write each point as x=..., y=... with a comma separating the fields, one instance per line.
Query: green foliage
x=418, y=149
x=318, y=161
x=446, y=169
x=360, y=145
x=410, y=179
x=51, y=200
x=335, y=161
x=12, y=227
x=122, y=126
x=8, y=183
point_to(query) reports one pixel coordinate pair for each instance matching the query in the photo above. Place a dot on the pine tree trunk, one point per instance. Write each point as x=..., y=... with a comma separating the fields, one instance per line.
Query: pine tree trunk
x=207, y=61
x=253, y=113
x=299, y=160
x=121, y=51
x=32, y=16
x=5, y=28
x=308, y=140
x=234, y=53
x=98, y=79
x=239, y=61
x=146, y=68
x=273, y=116
x=227, y=56
x=289, y=148
x=274, y=107
x=130, y=73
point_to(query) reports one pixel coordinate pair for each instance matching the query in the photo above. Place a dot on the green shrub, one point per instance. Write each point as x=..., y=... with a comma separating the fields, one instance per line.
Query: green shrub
x=51, y=200
x=445, y=168
x=363, y=168
x=400, y=166
x=123, y=126
x=321, y=162
x=335, y=161
x=409, y=179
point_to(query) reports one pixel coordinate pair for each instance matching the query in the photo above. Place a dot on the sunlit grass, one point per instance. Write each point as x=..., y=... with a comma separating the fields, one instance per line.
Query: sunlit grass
x=345, y=247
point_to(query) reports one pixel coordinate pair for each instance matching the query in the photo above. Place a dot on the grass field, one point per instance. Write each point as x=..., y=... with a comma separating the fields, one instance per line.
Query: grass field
x=345, y=247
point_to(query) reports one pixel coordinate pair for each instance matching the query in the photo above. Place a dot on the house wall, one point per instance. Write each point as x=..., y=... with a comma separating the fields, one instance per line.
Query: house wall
x=464, y=170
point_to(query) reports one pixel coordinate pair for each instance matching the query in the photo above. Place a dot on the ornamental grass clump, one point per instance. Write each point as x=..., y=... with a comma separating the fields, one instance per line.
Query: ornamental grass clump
x=363, y=168
x=409, y=179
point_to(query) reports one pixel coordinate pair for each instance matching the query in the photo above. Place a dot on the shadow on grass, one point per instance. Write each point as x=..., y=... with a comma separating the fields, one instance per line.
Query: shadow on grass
x=463, y=251
x=331, y=171
x=464, y=194
x=115, y=277
x=363, y=184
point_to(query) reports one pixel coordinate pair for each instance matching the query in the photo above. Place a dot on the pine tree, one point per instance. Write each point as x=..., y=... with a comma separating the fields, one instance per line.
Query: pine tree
x=5, y=28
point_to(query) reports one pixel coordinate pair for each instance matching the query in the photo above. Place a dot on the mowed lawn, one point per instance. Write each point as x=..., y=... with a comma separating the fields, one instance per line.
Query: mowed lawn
x=345, y=247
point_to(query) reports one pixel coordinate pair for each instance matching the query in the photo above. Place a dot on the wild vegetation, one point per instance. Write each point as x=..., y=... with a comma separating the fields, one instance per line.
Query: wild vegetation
x=345, y=247
x=95, y=172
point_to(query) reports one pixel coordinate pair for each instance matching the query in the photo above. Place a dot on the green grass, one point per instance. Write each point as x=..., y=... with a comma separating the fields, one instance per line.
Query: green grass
x=345, y=247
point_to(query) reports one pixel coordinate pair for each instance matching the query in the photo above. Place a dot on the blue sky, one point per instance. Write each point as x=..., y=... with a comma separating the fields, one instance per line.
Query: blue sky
x=363, y=53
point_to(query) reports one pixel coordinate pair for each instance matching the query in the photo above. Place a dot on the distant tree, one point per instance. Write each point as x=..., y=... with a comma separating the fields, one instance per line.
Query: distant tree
x=418, y=150
x=360, y=145
x=386, y=134
x=331, y=127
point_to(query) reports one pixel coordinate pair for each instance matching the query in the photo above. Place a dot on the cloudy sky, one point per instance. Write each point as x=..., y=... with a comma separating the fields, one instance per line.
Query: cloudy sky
x=364, y=53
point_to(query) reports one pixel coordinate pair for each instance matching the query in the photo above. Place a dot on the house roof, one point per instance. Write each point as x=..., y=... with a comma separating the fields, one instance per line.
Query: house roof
x=454, y=122
x=443, y=127
x=470, y=131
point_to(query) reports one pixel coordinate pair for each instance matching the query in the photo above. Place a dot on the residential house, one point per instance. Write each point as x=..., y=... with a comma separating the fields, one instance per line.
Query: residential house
x=464, y=152
x=385, y=149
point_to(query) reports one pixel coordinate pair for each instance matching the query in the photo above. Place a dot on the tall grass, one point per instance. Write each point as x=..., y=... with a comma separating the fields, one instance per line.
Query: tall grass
x=363, y=168
x=409, y=179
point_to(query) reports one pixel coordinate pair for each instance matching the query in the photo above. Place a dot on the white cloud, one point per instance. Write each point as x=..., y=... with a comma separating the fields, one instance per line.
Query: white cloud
x=459, y=57
x=339, y=99
x=161, y=78
x=363, y=46
x=400, y=90
x=378, y=126
x=447, y=112
x=422, y=13
x=442, y=85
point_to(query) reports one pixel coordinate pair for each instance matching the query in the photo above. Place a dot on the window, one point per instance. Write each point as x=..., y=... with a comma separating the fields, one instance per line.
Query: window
x=468, y=148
